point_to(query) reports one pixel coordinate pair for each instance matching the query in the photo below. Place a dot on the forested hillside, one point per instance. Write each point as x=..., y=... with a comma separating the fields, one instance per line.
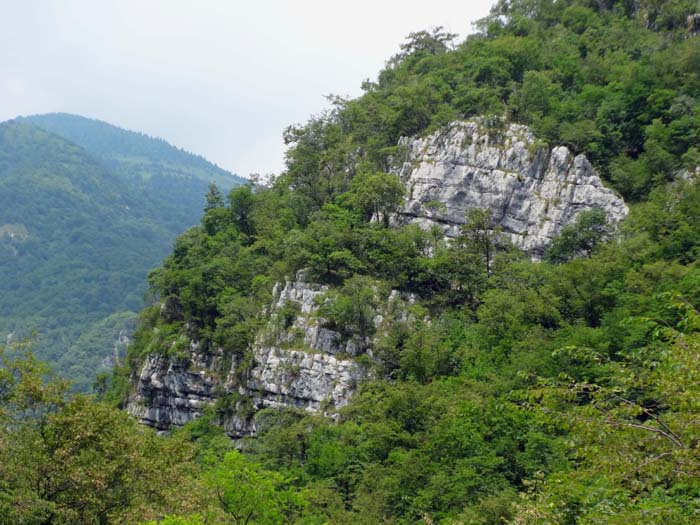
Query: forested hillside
x=495, y=389
x=174, y=178
x=131, y=153
x=76, y=242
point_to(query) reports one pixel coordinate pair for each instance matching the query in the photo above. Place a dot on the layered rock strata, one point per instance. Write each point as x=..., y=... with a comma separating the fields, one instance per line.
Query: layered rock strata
x=296, y=362
x=531, y=191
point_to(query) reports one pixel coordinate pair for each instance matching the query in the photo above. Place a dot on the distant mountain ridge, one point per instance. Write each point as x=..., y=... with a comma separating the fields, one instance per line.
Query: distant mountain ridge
x=80, y=227
x=175, y=179
x=132, y=153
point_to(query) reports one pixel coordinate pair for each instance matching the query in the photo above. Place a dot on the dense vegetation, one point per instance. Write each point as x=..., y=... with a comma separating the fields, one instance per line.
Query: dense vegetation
x=616, y=80
x=76, y=242
x=560, y=392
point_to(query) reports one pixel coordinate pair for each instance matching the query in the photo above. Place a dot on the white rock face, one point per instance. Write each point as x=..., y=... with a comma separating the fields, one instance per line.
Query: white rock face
x=121, y=345
x=306, y=329
x=172, y=391
x=300, y=365
x=303, y=365
x=532, y=192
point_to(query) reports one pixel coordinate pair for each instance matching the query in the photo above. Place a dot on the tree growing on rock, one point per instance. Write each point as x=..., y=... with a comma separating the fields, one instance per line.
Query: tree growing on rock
x=376, y=195
x=580, y=238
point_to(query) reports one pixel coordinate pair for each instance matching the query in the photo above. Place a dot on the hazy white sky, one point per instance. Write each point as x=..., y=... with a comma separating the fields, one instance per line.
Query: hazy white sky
x=218, y=78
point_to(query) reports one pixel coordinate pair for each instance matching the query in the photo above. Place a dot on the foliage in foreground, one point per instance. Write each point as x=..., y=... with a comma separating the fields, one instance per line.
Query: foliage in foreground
x=72, y=460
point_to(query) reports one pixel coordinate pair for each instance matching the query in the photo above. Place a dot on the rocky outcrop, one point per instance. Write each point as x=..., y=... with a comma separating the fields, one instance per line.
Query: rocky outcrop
x=531, y=191
x=170, y=391
x=296, y=362
x=693, y=23
x=690, y=176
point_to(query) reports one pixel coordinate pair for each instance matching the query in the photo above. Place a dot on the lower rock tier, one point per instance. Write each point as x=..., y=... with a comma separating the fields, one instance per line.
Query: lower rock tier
x=303, y=365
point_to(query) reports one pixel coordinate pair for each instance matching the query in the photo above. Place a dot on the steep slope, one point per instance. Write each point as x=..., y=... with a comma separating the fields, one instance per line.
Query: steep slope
x=504, y=390
x=390, y=374
x=296, y=362
x=77, y=242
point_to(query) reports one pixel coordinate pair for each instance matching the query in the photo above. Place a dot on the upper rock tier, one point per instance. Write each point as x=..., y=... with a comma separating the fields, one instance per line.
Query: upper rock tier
x=531, y=191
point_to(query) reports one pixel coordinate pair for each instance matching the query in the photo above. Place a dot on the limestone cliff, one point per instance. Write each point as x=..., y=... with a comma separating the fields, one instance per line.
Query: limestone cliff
x=296, y=362
x=532, y=191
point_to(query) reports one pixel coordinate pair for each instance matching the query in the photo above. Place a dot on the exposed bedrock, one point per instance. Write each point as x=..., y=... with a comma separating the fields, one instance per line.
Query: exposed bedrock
x=296, y=363
x=531, y=191
x=297, y=360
